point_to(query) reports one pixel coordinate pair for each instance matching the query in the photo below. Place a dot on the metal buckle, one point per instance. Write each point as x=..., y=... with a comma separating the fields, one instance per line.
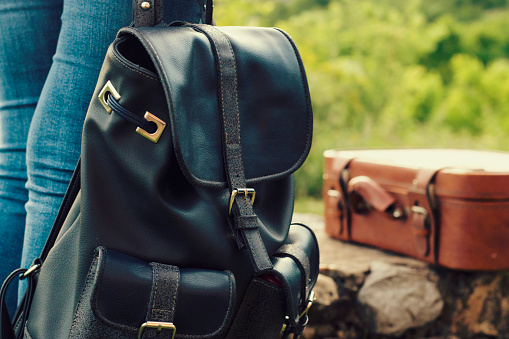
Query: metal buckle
x=154, y=137
x=246, y=191
x=158, y=326
x=108, y=88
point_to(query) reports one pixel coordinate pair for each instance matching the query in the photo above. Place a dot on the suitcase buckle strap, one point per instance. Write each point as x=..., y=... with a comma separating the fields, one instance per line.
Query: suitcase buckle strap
x=159, y=326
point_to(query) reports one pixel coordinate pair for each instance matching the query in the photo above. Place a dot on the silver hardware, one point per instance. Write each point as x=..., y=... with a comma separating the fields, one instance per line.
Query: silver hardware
x=154, y=137
x=311, y=299
x=30, y=271
x=398, y=213
x=159, y=326
x=246, y=191
x=419, y=210
x=108, y=88
x=333, y=194
x=145, y=5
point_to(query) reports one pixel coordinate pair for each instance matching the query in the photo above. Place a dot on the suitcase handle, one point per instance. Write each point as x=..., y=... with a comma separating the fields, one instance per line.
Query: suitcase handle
x=365, y=193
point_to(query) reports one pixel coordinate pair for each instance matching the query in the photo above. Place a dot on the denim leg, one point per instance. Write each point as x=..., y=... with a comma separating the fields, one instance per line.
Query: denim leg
x=28, y=37
x=53, y=148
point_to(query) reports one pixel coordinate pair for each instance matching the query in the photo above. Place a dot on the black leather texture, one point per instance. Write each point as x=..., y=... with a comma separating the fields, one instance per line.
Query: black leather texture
x=167, y=202
x=273, y=99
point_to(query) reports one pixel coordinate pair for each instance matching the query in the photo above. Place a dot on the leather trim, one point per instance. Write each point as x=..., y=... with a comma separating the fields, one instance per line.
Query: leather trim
x=26, y=334
x=337, y=215
x=147, y=17
x=424, y=221
x=163, y=298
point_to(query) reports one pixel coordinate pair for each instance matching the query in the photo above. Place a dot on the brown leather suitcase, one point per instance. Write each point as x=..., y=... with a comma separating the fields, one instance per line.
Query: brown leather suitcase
x=447, y=207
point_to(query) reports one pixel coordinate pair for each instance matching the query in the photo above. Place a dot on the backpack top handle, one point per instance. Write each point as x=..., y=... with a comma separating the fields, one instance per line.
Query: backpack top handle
x=149, y=13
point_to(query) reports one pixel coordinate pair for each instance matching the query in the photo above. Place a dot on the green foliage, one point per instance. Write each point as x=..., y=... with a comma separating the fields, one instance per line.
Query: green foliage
x=394, y=73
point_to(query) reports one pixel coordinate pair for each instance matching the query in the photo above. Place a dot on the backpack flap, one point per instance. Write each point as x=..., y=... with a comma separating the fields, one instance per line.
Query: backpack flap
x=271, y=92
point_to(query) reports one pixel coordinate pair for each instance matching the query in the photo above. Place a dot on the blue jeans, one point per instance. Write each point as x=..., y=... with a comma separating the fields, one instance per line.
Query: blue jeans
x=51, y=52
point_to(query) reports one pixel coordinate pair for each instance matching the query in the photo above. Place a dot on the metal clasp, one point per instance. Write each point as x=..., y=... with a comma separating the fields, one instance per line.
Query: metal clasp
x=108, y=88
x=246, y=191
x=33, y=269
x=159, y=326
x=311, y=299
x=154, y=137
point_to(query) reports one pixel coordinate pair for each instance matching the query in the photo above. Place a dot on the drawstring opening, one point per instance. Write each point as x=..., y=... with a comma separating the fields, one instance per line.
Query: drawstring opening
x=129, y=116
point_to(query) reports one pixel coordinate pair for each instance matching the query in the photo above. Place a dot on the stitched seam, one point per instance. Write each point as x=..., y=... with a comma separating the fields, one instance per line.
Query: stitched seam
x=170, y=270
x=302, y=72
x=265, y=255
x=161, y=310
x=221, y=80
x=87, y=283
x=93, y=301
x=255, y=254
x=174, y=298
x=134, y=69
x=235, y=90
x=167, y=92
x=269, y=285
x=226, y=318
x=156, y=279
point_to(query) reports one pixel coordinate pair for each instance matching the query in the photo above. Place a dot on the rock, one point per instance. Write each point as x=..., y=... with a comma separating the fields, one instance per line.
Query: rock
x=326, y=290
x=483, y=309
x=329, y=305
x=395, y=298
x=381, y=295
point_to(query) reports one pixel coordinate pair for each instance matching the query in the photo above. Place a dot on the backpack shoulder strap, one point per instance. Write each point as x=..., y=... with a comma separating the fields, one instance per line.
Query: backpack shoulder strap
x=149, y=13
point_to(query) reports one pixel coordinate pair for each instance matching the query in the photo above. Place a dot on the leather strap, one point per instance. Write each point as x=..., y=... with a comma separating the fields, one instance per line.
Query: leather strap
x=245, y=223
x=339, y=167
x=163, y=297
x=424, y=224
x=209, y=9
x=301, y=258
x=147, y=13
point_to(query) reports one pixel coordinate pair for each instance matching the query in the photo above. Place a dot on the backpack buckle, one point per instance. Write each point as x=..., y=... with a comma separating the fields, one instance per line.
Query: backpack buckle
x=246, y=191
x=159, y=326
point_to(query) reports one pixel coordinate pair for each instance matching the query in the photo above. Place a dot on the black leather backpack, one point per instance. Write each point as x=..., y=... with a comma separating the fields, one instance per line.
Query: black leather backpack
x=177, y=222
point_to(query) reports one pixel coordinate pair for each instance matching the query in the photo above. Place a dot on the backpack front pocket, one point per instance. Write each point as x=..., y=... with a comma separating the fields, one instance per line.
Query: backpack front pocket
x=125, y=297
